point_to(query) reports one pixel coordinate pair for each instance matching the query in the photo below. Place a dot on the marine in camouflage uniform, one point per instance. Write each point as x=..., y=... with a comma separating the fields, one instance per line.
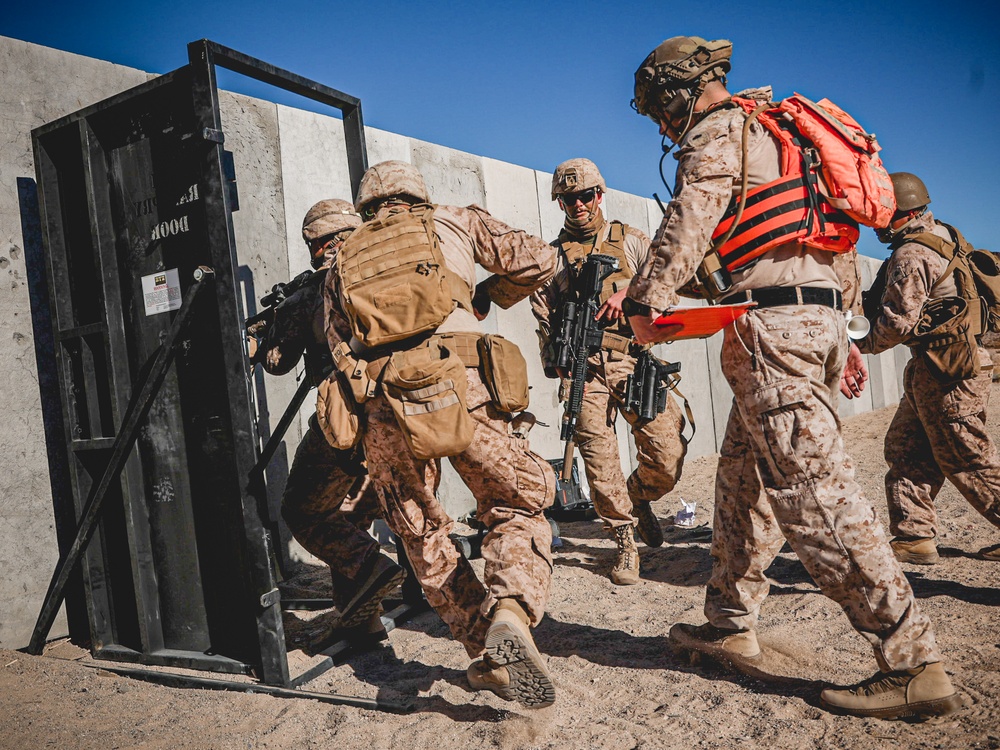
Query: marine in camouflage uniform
x=579, y=187
x=328, y=501
x=939, y=430
x=784, y=361
x=511, y=484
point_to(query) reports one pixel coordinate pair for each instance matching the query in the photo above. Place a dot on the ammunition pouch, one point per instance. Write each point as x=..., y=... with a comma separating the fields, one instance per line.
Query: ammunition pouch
x=426, y=388
x=945, y=339
x=361, y=375
x=505, y=373
x=337, y=414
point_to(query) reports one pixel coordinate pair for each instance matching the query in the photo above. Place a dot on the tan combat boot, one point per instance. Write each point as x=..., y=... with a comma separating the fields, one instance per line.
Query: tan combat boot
x=647, y=525
x=917, y=551
x=921, y=692
x=734, y=647
x=511, y=665
x=379, y=576
x=626, y=569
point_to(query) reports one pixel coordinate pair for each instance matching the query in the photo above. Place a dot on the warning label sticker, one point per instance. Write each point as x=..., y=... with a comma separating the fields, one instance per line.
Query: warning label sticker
x=161, y=291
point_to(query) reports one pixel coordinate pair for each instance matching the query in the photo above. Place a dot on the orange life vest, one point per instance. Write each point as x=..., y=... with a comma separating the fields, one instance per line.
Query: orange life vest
x=831, y=178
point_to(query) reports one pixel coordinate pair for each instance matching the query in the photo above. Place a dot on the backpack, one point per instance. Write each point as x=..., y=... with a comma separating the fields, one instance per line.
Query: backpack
x=976, y=273
x=857, y=182
x=393, y=280
x=831, y=179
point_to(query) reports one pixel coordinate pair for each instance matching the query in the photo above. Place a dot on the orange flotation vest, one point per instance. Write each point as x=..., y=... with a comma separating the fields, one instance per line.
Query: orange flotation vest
x=831, y=179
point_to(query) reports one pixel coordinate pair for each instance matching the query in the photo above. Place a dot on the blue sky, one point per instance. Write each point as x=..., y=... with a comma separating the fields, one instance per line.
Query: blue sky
x=535, y=83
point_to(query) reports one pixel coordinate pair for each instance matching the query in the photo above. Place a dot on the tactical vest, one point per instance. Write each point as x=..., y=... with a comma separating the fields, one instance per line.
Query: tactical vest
x=576, y=252
x=394, y=283
x=976, y=274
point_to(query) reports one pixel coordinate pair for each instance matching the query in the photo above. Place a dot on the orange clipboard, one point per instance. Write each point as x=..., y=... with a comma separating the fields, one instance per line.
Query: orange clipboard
x=699, y=322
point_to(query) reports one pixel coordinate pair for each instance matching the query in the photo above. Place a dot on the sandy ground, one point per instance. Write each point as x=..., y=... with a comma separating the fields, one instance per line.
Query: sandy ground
x=619, y=684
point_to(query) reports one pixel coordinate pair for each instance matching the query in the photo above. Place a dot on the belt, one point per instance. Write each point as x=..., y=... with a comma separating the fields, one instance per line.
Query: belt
x=774, y=296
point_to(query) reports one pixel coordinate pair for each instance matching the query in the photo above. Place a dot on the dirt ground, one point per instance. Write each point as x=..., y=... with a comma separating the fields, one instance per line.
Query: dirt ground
x=619, y=684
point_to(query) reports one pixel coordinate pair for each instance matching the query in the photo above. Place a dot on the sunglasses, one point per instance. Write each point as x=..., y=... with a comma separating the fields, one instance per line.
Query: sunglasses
x=584, y=196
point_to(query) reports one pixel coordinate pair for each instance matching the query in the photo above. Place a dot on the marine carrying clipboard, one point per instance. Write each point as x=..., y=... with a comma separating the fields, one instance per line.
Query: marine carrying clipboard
x=698, y=322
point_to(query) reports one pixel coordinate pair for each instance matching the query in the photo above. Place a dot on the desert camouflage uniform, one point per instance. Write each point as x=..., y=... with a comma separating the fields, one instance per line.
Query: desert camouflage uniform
x=328, y=502
x=658, y=442
x=939, y=430
x=512, y=485
x=784, y=365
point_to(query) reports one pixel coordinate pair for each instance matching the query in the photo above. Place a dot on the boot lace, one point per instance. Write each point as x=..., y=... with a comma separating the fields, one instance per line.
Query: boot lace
x=882, y=683
x=623, y=537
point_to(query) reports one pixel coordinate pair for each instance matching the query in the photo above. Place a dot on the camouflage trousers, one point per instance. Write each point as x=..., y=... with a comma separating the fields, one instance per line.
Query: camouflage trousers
x=328, y=508
x=784, y=366
x=658, y=442
x=939, y=432
x=512, y=486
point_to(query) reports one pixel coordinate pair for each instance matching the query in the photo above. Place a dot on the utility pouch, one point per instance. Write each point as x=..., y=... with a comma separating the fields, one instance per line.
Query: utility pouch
x=426, y=388
x=946, y=340
x=338, y=414
x=713, y=277
x=505, y=373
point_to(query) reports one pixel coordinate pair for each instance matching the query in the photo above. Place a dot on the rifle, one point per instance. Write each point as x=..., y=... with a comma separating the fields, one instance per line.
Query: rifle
x=257, y=325
x=580, y=335
x=646, y=388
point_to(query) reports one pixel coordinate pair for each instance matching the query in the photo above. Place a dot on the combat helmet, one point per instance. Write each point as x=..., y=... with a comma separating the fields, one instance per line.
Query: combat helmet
x=389, y=179
x=576, y=175
x=911, y=200
x=327, y=218
x=675, y=74
x=911, y=193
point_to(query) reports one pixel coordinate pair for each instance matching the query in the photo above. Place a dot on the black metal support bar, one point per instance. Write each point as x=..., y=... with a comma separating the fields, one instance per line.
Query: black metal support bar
x=335, y=651
x=350, y=106
x=136, y=411
x=172, y=679
x=280, y=429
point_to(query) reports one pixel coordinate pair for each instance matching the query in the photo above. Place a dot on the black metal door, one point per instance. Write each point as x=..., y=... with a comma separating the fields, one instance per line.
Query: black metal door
x=134, y=198
x=136, y=195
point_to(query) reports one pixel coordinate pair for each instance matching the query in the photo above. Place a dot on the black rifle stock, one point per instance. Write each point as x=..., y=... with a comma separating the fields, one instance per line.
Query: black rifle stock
x=580, y=335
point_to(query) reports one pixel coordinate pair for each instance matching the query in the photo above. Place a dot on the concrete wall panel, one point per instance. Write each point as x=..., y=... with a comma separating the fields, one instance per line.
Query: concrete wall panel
x=453, y=178
x=653, y=217
x=313, y=168
x=628, y=209
x=383, y=146
x=511, y=195
x=548, y=210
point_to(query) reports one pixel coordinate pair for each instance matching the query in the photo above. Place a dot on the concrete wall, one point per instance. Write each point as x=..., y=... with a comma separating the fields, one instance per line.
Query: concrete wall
x=286, y=159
